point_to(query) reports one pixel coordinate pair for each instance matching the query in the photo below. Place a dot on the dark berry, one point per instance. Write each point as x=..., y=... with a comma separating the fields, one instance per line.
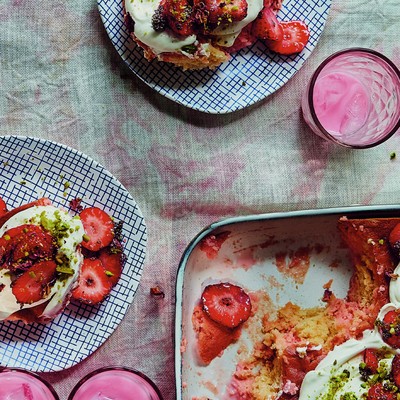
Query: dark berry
x=158, y=19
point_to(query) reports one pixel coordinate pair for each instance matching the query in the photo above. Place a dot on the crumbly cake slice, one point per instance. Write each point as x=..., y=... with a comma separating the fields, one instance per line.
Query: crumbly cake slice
x=297, y=339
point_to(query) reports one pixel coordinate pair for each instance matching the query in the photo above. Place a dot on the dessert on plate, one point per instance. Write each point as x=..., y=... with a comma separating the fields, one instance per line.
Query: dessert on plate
x=197, y=34
x=48, y=257
x=304, y=352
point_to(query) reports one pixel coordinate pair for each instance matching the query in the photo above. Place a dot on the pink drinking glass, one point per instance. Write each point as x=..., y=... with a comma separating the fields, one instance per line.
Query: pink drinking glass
x=115, y=383
x=17, y=383
x=353, y=99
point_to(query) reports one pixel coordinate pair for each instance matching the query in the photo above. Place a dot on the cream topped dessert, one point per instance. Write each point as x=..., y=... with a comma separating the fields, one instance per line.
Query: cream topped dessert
x=37, y=236
x=196, y=34
x=142, y=12
x=49, y=256
x=346, y=373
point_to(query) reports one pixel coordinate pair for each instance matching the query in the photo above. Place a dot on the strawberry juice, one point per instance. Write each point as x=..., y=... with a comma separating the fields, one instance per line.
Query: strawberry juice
x=115, y=384
x=341, y=103
x=353, y=98
x=22, y=385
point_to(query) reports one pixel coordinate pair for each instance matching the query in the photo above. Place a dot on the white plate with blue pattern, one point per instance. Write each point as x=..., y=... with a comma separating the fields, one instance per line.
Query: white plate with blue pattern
x=31, y=168
x=251, y=75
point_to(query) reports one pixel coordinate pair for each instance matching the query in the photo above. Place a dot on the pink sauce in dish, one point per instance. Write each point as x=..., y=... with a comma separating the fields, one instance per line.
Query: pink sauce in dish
x=341, y=103
x=115, y=384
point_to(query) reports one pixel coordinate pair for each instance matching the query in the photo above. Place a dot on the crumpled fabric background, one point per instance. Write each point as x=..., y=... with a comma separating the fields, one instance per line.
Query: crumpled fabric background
x=61, y=79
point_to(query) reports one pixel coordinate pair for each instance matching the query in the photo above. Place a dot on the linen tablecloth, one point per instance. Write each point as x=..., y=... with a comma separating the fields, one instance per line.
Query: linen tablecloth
x=61, y=79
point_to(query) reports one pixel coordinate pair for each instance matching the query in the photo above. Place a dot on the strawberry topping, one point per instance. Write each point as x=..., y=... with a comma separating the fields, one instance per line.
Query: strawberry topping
x=371, y=361
x=98, y=227
x=267, y=26
x=178, y=14
x=379, y=392
x=94, y=284
x=396, y=370
x=21, y=246
x=227, y=304
x=34, y=284
x=295, y=38
x=112, y=263
x=223, y=12
x=390, y=328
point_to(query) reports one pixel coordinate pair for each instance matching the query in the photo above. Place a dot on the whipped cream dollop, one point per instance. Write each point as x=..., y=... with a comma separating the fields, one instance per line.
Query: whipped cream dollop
x=338, y=373
x=141, y=11
x=49, y=217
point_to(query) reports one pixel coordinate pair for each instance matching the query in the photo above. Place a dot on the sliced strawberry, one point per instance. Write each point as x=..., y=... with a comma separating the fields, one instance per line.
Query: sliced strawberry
x=379, y=392
x=34, y=284
x=3, y=207
x=396, y=370
x=112, y=263
x=371, y=361
x=93, y=284
x=179, y=17
x=21, y=246
x=390, y=328
x=244, y=39
x=98, y=227
x=295, y=38
x=267, y=26
x=226, y=304
x=394, y=239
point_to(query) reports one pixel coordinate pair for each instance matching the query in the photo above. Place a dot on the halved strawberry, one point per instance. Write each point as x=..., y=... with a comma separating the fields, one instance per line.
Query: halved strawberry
x=379, y=392
x=267, y=26
x=34, y=284
x=112, y=263
x=226, y=304
x=23, y=245
x=389, y=328
x=244, y=39
x=93, y=284
x=98, y=227
x=396, y=370
x=394, y=239
x=371, y=361
x=179, y=17
x=3, y=207
x=295, y=38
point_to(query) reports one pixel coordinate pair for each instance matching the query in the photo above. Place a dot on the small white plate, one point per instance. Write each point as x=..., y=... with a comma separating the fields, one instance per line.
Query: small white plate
x=247, y=256
x=251, y=75
x=31, y=168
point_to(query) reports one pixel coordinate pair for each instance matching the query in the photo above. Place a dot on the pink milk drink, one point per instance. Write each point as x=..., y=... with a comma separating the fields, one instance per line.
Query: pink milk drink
x=18, y=384
x=353, y=99
x=115, y=383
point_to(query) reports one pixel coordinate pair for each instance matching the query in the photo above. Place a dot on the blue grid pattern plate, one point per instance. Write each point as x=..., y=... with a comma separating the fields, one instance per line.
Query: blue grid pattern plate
x=251, y=75
x=31, y=168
